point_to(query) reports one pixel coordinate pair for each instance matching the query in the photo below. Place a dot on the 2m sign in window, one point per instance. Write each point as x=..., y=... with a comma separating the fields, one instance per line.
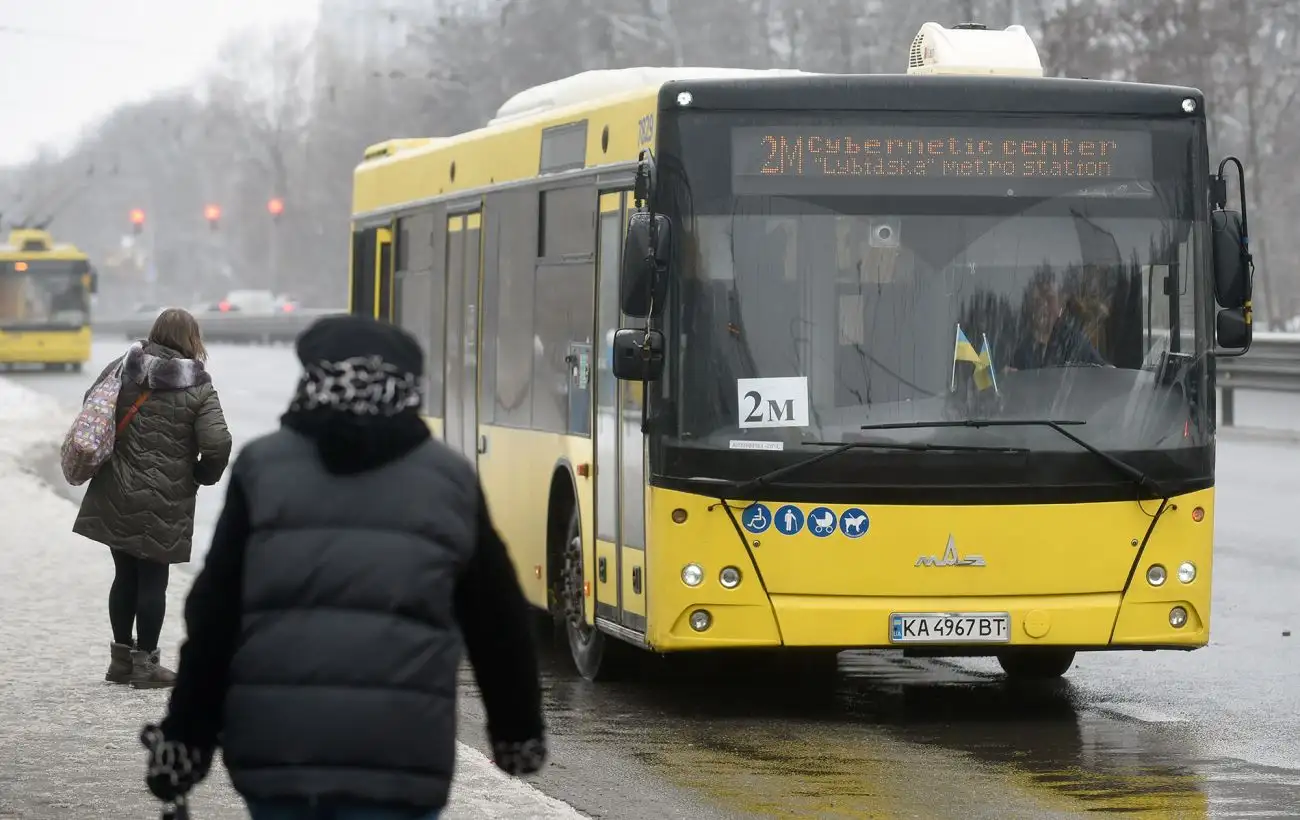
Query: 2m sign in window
x=936, y=160
x=772, y=402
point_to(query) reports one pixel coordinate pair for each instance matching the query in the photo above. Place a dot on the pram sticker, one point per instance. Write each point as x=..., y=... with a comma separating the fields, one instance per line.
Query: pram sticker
x=821, y=522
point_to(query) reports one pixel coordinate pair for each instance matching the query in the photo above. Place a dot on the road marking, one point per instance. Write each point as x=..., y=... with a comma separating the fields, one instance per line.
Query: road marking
x=1137, y=711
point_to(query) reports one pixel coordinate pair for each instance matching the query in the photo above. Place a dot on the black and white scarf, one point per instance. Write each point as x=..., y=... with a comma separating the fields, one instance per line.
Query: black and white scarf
x=361, y=386
x=361, y=412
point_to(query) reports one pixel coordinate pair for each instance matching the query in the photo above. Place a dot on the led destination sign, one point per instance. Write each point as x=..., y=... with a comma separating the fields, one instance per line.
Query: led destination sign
x=978, y=161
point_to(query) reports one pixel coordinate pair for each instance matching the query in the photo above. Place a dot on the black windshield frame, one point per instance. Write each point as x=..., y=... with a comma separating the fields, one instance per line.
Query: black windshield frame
x=902, y=477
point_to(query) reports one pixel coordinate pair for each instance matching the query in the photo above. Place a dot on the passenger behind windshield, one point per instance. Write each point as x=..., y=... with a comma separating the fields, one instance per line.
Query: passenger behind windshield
x=1053, y=337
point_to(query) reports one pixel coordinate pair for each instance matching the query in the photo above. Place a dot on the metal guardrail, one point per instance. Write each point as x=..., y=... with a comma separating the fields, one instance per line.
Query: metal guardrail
x=1271, y=365
x=240, y=328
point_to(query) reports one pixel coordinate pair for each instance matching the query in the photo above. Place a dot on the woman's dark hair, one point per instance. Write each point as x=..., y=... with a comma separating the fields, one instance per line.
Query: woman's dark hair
x=179, y=330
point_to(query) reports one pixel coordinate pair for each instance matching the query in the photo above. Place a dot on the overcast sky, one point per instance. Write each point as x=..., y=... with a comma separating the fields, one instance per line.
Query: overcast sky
x=67, y=63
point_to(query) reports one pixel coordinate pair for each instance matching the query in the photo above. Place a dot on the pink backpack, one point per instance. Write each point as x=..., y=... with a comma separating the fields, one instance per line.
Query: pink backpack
x=90, y=441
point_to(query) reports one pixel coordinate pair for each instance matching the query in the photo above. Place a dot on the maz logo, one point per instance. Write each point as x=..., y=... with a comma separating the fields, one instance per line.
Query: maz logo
x=951, y=558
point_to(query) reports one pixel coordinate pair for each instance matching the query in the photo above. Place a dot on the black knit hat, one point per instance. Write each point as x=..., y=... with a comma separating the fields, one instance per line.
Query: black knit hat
x=338, y=338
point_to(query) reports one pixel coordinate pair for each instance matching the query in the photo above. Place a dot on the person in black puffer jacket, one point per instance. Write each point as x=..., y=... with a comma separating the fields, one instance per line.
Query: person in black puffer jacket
x=353, y=559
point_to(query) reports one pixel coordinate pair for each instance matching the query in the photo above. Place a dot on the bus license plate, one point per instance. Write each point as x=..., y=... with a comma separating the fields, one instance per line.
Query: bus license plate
x=949, y=627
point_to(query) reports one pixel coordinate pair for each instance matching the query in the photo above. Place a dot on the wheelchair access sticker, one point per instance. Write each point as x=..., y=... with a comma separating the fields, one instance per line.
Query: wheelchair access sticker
x=756, y=518
x=788, y=519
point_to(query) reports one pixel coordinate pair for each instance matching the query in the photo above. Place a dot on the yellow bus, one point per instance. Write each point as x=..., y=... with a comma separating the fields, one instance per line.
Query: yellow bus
x=45, y=290
x=781, y=361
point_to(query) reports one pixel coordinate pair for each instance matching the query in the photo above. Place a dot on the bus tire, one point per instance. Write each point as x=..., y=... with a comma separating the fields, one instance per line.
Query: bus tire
x=1036, y=664
x=596, y=656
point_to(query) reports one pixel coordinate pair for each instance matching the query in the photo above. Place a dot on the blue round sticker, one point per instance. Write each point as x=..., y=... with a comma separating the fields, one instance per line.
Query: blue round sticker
x=756, y=518
x=821, y=522
x=789, y=519
x=854, y=523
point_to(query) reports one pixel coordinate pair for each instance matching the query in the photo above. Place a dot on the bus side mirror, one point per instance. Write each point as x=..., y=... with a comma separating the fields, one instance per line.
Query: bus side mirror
x=1231, y=260
x=93, y=282
x=638, y=355
x=643, y=280
x=1232, y=285
x=1232, y=329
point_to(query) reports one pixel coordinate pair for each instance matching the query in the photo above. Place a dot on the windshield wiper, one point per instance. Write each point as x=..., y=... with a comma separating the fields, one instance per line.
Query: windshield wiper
x=1140, y=478
x=741, y=490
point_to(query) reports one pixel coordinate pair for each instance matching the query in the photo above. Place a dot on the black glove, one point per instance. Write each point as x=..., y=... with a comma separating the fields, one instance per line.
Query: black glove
x=519, y=756
x=173, y=768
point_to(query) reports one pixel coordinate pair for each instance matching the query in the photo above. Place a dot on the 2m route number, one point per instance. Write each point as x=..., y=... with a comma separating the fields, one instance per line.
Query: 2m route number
x=775, y=402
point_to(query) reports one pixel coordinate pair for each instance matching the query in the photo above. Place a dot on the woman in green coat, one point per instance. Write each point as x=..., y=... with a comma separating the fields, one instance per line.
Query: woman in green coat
x=141, y=502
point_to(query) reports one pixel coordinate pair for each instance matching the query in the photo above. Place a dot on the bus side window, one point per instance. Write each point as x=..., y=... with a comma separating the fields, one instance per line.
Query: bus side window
x=418, y=296
x=513, y=279
x=564, y=305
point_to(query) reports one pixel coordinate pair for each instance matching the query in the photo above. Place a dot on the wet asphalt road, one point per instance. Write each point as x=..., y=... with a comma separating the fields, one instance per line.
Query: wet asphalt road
x=1212, y=733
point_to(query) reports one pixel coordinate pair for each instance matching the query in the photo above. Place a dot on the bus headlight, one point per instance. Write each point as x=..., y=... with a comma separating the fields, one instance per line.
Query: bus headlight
x=1187, y=572
x=692, y=575
x=729, y=577
x=1156, y=575
x=701, y=620
x=1177, y=617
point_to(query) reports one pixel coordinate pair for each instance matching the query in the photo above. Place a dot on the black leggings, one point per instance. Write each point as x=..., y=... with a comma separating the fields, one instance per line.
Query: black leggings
x=138, y=596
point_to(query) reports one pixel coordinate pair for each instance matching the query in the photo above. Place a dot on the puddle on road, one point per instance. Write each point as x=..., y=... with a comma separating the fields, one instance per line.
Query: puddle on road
x=897, y=737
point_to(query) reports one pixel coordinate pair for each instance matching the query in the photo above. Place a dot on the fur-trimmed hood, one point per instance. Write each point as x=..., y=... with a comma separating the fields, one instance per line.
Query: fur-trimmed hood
x=161, y=368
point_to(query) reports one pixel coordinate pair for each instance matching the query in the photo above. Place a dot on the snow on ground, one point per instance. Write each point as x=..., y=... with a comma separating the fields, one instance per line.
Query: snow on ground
x=68, y=743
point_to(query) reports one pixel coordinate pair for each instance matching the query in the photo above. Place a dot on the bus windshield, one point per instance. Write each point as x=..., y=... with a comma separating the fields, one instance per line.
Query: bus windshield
x=836, y=276
x=41, y=294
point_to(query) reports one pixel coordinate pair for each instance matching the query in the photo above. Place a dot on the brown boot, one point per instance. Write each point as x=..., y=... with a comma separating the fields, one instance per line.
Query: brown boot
x=147, y=673
x=119, y=668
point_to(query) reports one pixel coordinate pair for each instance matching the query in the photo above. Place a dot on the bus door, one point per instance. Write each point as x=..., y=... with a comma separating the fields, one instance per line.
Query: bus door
x=619, y=450
x=372, y=273
x=460, y=416
x=384, y=274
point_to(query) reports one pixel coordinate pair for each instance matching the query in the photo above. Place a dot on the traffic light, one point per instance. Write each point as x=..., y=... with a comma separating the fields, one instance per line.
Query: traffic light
x=137, y=220
x=275, y=206
x=212, y=213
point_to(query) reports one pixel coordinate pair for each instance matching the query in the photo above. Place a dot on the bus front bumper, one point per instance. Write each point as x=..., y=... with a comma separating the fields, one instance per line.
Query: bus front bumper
x=1095, y=621
x=44, y=346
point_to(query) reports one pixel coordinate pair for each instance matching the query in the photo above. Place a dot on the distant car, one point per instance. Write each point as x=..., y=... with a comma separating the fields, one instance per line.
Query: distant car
x=215, y=307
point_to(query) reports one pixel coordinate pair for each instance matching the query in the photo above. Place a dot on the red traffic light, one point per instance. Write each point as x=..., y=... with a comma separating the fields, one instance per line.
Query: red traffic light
x=275, y=206
x=212, y=213
x=137, y=216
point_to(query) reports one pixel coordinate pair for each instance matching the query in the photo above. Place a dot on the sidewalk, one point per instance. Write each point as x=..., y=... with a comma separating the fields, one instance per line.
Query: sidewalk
x=68, y=739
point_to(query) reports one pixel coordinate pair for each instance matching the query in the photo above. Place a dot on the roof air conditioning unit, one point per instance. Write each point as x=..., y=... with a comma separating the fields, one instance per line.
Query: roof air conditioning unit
x=974, y=49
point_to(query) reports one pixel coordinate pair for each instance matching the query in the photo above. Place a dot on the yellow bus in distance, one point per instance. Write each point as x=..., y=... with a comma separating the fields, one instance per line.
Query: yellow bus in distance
x=45, y=290
x=766, y=360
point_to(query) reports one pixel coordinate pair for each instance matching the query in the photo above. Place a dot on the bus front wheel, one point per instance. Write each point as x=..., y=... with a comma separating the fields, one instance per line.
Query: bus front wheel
x=1035, y=664
x=596, y=655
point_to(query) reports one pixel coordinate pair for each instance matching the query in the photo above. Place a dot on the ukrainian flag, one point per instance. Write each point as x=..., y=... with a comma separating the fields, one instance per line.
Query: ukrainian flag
x=964, y=351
